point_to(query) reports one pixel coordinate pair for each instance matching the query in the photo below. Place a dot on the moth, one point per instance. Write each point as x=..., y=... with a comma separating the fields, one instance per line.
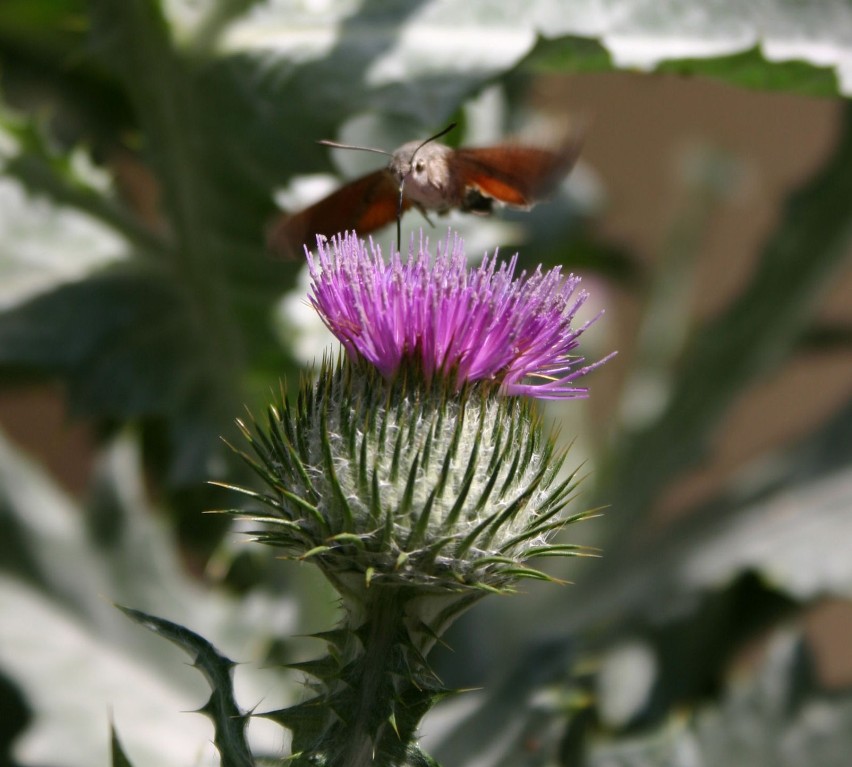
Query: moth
x=429, y=176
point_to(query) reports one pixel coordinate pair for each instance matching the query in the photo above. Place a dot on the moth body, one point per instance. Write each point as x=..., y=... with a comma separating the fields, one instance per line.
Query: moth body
x=430, y=177
x=426, y=175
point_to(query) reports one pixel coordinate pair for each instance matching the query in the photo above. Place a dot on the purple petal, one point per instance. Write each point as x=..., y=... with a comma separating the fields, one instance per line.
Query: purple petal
x=482, y=324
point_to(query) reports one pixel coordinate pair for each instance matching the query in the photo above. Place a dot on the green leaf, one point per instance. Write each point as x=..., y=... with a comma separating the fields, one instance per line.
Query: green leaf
x=62, y=563
x=802, y=495
x=69, y=179
x=749, y=68
x=47, y=29
x=567, y=54
x=766, y=321
x=776, y=717
x=48, y=650
x=228, y=720
x=448, y=50
x=119, y=758
x=184, y=344
x=510, y=712
x=122, y=340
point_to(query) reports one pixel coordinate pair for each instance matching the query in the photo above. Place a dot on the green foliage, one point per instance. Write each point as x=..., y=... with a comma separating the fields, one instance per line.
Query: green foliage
x=768, y=318
x=369, y=693
x=141, y=144
x=228, y=720
x=192, y=299
x=59, y=559
x=747, y=69
x=751, y=69
x=119, y=758
x=779, y=717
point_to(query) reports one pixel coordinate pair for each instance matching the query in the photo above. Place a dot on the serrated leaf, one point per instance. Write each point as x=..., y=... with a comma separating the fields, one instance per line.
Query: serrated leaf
x=323, y=668
x=119, y=758
x=52, y=666
x=753, y=69
x=228, y=720
x=433, y=58
x=305, y=720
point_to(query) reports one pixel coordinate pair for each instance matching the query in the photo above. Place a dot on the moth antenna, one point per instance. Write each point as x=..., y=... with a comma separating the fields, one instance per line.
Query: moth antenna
x=429, y=140
x=336, y=145
x=420, y=146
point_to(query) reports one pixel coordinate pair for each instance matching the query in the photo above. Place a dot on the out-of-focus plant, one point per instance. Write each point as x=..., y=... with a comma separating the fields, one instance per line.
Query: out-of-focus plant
x=142, y=144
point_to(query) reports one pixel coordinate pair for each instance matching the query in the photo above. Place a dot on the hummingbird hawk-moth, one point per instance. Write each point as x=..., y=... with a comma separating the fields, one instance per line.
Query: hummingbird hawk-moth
x=428, y=176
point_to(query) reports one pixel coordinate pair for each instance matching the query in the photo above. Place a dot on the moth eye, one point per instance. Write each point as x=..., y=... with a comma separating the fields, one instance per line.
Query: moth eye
x=419, y=166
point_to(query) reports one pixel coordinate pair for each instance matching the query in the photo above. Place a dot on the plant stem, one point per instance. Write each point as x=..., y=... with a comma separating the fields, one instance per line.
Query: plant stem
x=383, y=632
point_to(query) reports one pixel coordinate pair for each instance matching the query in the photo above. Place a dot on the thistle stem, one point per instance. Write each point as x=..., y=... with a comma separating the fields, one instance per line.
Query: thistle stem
x=382, y=631
x=373, y=704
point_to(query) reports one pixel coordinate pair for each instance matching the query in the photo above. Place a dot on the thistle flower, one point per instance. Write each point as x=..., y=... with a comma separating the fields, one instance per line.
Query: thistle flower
x=483, y=325
x=403, y=463
x=405, y=473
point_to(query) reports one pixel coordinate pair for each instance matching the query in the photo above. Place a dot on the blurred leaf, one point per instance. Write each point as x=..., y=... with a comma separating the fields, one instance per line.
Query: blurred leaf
x=46, y=28
x=748, y=69
x=776, y=45
x=829, y=336
x=746, y=341
x=67, y=179
x=73, y=656
x=776, y=717
x=128, y=346
x=136, y=341
x=751, y=69
x=777, y=714
x=15, y=716
x=73, y=675
x=444, y=50
x=47, y=246
x=569, y=55
x=769, y=539
x=415, y=60
x=498, y=724
x=123, y=340
x=785, y=518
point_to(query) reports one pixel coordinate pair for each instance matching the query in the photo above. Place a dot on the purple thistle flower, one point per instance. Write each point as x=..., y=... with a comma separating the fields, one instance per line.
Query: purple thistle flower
x=482, y=324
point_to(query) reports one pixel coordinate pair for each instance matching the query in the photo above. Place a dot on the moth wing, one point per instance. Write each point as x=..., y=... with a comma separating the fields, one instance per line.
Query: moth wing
x=365, y=204
x=513, y=174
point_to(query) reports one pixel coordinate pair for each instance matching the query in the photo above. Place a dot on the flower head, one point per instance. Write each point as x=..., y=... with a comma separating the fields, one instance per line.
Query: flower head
x=394, y=467
x=481, y=325
x=409, y=485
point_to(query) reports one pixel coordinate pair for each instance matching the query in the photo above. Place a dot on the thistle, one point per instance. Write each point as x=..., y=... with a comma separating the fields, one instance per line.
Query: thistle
x=414, y=471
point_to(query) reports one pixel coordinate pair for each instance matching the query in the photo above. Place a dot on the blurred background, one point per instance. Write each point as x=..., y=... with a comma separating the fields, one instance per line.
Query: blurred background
x=144, y=148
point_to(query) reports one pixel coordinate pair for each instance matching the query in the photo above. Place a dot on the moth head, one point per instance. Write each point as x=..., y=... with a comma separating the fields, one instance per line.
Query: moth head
x=415, y=159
